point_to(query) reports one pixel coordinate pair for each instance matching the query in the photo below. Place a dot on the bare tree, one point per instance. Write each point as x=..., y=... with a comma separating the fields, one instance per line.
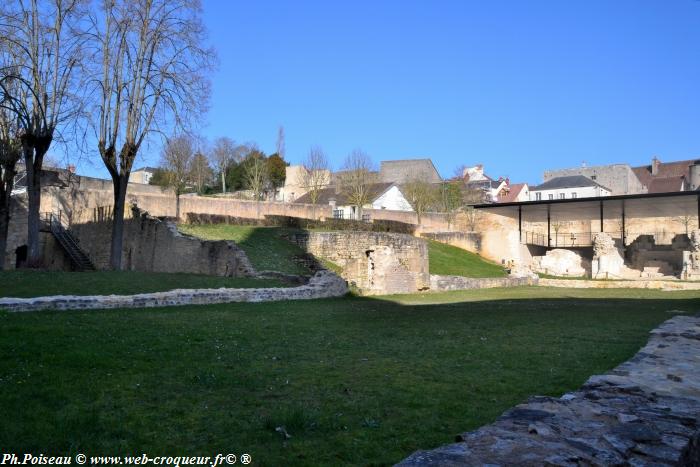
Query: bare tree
x=200, y=171
x=255, y=174
x=42, y=45
x=316, y=174
x=472, y=218
x=450, y=199
x=421, y=195
x=686, y=221
x=176, y=161
x=10, y=154
x=152, y=76
x=223, y=154
x=356, y=179
x=281, y=147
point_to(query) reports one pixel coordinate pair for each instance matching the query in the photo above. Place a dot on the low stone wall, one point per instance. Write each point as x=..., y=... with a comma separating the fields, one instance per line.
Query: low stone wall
x=153, y=245
x=644, y=412
x=445, y=283
x=470, y=241
x=374, y=262
x=323, y=284
x=630, y=284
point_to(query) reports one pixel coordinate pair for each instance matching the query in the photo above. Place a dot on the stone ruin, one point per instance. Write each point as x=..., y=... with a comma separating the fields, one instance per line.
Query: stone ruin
x=560, y=262
x=608, y=261
x=691, y=259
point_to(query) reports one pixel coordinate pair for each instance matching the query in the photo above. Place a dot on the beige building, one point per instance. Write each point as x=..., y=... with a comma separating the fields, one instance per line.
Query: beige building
x=297, y=180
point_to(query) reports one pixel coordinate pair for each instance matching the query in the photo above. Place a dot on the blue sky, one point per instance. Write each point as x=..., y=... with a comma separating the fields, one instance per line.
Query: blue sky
x=518, y=86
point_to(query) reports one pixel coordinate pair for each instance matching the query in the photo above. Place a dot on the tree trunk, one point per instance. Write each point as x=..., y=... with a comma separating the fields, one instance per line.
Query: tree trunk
x=223, y=181
x=120, y=184
x=33, y=207
x=4, y=228
x=177, y=207
x=5, y=210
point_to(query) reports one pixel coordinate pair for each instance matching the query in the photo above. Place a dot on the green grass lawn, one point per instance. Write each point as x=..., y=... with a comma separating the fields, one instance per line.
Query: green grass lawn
x=27, y=283
x=263, y=245
x=354, y=381
x=449, y=260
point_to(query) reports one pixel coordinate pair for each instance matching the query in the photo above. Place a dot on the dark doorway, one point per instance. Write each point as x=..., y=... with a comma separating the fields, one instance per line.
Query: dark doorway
x=21, y=255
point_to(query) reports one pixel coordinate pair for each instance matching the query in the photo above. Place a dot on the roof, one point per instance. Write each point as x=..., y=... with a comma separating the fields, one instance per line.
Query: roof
x=512, y=193
x=666, y=184
x=600, y=199
x=145, y=169
x=406, y=170
x=341, y=199
x=665, y=170
x=571, y=181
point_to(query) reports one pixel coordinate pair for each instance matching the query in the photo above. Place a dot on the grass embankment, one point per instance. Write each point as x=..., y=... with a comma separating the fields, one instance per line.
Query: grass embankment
x=449, y=260
x=352, y=380
x=264, y=246
x=27, y=283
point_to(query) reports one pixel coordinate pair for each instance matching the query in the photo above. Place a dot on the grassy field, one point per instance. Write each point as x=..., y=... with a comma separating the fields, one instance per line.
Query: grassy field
x=263, y=245
x=352, y=380
x=452, y=261
x=26, y=283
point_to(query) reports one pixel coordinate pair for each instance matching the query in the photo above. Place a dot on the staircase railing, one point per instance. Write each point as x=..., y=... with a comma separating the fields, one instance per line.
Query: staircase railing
x=58, y=225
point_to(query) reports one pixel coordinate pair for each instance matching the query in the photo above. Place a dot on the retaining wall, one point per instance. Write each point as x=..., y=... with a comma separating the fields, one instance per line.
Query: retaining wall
x=445, y=283
x=612, y=284
x=470, y=241
x=322, y=285
x=644, y=412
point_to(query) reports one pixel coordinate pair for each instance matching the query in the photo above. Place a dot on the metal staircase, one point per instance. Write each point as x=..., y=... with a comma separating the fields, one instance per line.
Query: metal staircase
x=80, y=261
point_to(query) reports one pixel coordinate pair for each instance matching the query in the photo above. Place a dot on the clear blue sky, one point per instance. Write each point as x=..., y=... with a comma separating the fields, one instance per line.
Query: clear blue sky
x=520, y=86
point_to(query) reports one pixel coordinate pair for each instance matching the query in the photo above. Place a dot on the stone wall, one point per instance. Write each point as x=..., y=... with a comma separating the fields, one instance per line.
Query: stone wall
x=620, y=284
x=374, y=262
x=322, y=285
x=154, y=245
x=445, y=283
x=470, y=241
x=644, y=412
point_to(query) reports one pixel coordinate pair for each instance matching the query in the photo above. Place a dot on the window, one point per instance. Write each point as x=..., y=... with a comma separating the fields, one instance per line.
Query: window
x=593, y=177
x=551, y=196
x=573, y=194
x=337, y=214
x=562, y=195
x=538, y=196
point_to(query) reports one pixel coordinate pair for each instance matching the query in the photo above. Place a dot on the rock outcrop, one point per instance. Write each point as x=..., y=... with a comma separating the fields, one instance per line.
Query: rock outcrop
x=644, y=412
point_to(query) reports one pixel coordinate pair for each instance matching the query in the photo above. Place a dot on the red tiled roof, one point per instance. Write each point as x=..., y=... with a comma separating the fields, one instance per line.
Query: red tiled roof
x=512, y=193
x=666, y=184
x=666, y=170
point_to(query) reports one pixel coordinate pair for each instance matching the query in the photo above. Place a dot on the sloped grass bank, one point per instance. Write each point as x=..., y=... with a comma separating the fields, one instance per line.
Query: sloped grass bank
x=264, y=246
x=448, y=260
x=353, y=381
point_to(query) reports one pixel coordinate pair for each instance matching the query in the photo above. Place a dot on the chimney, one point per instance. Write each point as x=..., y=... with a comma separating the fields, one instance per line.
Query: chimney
x=71, y=168
x=655, y=163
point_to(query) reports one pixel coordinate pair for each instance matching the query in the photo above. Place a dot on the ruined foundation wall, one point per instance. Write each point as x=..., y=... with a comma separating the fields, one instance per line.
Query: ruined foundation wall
x=153, y=245
x=376, y=263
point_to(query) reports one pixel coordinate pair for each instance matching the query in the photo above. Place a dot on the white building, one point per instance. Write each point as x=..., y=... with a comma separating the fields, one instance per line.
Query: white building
x=574, y=186
x=382, y=195
x=475, y=179
x=142, y=175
